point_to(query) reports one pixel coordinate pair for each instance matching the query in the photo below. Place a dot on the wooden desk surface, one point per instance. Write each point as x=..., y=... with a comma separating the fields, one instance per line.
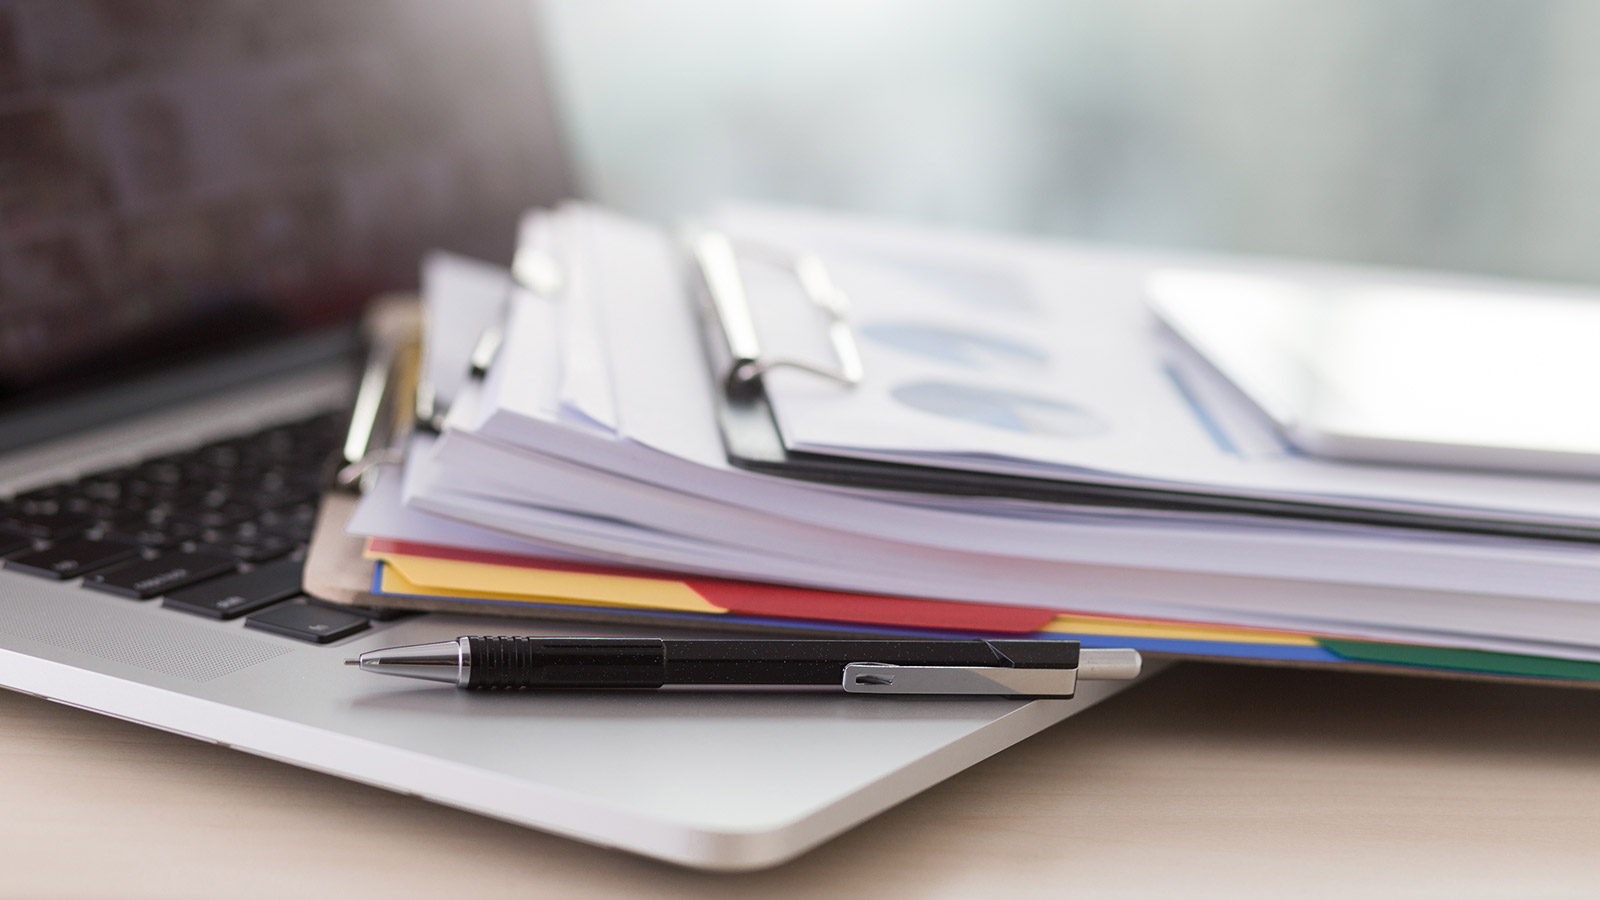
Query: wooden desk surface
x=1211, y=781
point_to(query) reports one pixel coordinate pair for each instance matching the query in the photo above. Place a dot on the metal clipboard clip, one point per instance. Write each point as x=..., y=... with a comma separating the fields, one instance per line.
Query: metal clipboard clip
x=533, y=269
x=728, y=303
x=385, y=405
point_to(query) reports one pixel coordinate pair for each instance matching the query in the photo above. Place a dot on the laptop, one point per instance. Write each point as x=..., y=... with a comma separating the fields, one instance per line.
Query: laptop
x=194, y=209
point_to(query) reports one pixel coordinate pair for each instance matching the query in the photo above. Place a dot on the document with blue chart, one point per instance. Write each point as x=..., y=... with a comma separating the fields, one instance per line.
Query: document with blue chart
x=1042, y=366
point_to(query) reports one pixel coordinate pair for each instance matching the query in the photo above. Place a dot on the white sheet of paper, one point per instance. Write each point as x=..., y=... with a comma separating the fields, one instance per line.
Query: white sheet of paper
x=381, y=513
x=585, y=382
x=1033, y=359
x=526, y=376
x=461, y=297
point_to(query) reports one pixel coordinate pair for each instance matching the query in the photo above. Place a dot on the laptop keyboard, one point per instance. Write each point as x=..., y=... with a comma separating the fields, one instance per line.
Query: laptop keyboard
x=218, y=531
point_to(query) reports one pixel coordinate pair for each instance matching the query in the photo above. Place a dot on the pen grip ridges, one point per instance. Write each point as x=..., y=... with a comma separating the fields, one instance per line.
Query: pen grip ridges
x=512, y=662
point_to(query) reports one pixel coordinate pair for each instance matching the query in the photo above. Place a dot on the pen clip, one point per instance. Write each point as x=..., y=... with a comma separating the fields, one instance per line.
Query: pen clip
x=995, y=681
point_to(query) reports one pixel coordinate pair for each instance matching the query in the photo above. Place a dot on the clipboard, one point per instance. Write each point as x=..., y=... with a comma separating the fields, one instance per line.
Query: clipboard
x=754, y=441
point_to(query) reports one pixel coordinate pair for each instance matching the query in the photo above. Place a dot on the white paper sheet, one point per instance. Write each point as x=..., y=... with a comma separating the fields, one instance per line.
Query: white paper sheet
x=585, y=394
x=461, y=297
x=1065, y=375
x=382, y=514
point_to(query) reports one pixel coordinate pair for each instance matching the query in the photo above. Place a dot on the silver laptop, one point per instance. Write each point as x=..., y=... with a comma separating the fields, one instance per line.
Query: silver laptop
x=193, y=211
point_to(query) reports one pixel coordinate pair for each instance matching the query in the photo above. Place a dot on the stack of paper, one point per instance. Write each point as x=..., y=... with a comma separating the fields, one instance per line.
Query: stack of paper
x=588, y=464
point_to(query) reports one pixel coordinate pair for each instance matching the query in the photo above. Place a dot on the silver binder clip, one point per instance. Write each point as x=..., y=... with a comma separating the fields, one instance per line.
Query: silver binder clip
x=994, y=681
x=718, y=259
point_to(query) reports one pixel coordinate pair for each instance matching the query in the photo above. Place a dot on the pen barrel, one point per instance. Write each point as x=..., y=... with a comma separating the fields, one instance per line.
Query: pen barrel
x=533, y=662
x=599, y=663
x=765, y=661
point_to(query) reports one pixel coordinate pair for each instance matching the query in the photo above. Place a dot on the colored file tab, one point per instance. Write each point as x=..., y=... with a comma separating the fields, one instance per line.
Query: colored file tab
x=1080, y=624
x=475, y=574
x=422, y=575
x=1482, y=662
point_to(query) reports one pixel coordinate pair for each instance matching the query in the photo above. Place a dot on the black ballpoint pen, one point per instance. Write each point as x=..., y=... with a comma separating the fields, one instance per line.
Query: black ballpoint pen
x=1010, y=668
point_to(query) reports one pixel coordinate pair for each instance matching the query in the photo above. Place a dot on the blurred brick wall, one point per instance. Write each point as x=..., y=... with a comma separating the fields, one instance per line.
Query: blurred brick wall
x=160, y=156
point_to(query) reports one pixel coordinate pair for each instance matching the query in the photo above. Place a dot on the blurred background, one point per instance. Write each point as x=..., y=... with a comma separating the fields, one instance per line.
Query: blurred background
x=249, y=165
x=181, y=177
x=1461, y=134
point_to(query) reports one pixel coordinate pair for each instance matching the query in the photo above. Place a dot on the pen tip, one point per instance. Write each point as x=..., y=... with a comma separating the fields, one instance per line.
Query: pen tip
x=352, y=662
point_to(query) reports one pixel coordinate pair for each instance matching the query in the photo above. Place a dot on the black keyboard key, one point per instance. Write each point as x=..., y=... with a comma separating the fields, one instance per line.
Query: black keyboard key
x=145, y=578
x=295, y=533
x=182, y=531
x=259, y=551
x=94, y=509
x=171, y=495
x=375, y=613
x=174, y=509
x=46, y=525
x=71, y=558
x=264, y=549
x=240, y=594
x=316, y=624
x=271, y=481
x=169, y=470
x=293, y=523
x=299, y=511
x=199, y=473
x=42, y=497
x=141, y=535
x=100, y=489
x=10, y=544
x=223, y=515
x=224, y=455
x=280, y=497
